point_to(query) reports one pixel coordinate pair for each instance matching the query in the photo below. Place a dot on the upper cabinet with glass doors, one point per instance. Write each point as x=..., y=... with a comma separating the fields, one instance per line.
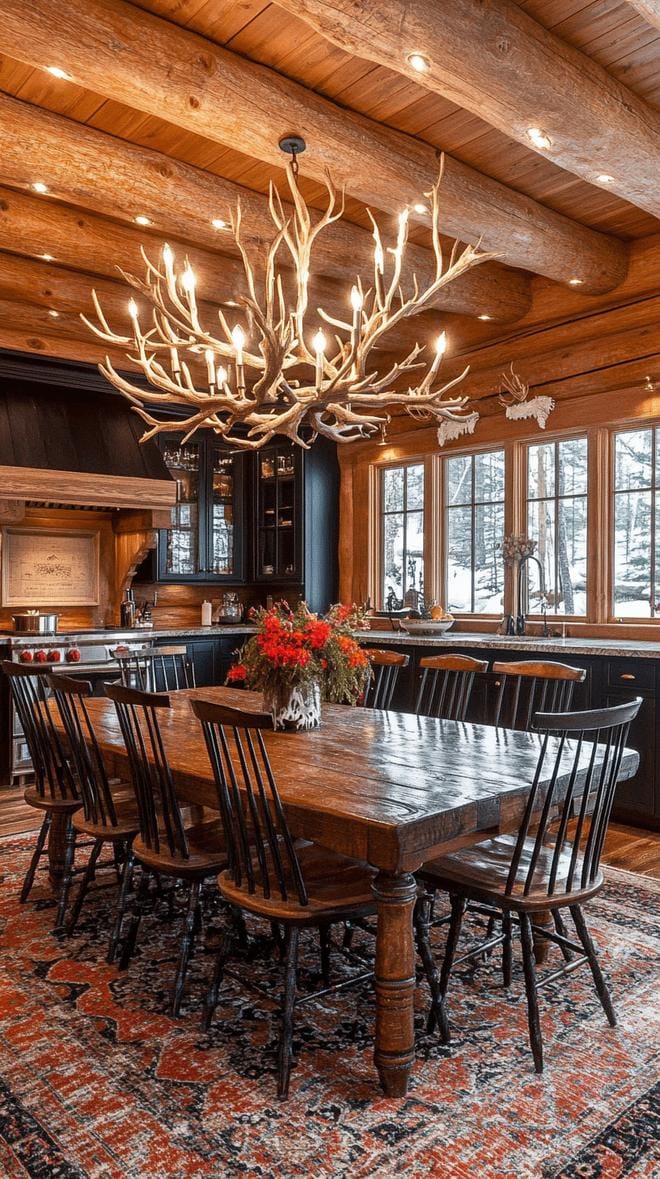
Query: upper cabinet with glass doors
x=205, y=540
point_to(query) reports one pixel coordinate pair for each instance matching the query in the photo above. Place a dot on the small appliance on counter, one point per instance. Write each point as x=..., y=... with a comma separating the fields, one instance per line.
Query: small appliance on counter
x=230, y=609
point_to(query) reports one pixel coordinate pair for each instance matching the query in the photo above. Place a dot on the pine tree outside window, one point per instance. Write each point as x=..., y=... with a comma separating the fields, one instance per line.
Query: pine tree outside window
x=402, y=535
x=636, y=573
x=473, y=531
x=557, y=479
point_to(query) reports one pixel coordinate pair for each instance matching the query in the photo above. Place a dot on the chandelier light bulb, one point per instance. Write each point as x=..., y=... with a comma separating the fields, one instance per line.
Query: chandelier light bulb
x=168, y=255
x=188, y=280
x=319, y=341
x=221, y=375
x=441, y=344
x=132, y=309
x=356, y=298
x=238, y=337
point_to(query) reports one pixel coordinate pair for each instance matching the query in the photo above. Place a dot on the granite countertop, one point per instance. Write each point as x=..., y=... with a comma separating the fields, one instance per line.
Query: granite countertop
x=615, y=648
x=117, y=635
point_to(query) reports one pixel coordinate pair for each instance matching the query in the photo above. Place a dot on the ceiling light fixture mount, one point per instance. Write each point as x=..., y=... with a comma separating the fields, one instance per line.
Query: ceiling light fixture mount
x=277, y=371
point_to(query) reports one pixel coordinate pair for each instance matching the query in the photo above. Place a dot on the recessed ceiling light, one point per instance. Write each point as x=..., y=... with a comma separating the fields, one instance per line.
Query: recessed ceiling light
x=219, y=223
x=47, y=257
x=539, y=138
x=142, y=220
x=418, y=62
x=39, y=186
x=420, y=208
x=485, y=317
x=54, y=313
x=231, y=303
x=575, y=282
x=58, y=73
x=605, y=178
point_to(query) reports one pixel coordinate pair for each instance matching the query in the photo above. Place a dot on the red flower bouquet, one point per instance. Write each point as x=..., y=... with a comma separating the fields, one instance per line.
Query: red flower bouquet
x=295, y=650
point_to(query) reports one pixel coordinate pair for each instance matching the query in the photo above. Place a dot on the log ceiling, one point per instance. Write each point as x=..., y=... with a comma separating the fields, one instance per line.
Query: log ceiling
x=172, y=109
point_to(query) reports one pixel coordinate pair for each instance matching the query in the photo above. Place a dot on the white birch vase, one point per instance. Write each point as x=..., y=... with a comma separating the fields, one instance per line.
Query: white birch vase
x=294, y=708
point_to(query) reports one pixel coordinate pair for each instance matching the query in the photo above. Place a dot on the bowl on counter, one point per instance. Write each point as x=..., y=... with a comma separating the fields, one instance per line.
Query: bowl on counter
x=35, y=622
x=426, y=626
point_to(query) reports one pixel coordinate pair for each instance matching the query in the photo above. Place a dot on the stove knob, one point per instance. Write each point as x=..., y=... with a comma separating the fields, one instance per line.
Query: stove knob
x=40, y=657
x=73, y=655
x=26, y=656
x=54, y=656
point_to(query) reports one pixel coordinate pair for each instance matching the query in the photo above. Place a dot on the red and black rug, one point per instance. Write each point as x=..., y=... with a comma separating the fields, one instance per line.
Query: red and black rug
x=97, y=1081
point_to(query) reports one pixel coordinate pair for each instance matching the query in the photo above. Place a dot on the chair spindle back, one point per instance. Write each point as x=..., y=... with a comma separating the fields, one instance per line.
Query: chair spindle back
x=385, y=669
x=71, y=696
x=159, y=810
x=52, y=771
x=528, y=687
x=446, y=685
x=573, y=789
x=260, y=849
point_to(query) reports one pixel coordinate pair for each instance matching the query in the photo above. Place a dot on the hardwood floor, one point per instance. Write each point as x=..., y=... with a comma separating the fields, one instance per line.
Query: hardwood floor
x=631, y=848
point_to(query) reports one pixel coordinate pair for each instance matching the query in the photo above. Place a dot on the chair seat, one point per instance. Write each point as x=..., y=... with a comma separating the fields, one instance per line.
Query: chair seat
x=484, y=870
x=337, y=887
x=128, y=823
x=207, y=852
x=45, y=802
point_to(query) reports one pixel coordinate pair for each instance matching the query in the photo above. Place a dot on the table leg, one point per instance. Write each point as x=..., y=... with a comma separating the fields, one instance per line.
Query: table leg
x=394, y=1054
x=57, y=848
x=541, y=944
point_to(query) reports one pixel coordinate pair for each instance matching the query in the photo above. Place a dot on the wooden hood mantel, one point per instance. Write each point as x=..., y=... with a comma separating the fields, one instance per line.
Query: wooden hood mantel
x=68, y=441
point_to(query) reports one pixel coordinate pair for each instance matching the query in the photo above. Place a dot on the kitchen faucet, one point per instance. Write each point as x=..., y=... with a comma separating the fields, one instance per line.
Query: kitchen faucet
x=521, y=617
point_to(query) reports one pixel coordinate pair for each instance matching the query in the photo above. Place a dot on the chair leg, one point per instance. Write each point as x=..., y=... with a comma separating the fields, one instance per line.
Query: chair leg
x=211, y=1001
x=507, y=950
x=325, y=940
x=563, y=932
x=126, y=885
x=590, y=951
x=458, y=905
x=349, y=933
x=529, y=967
x=36, y=856
x=128, y=948
x=88, y=876
x=189, y=923
x=422, y=930
x=69, y=853
x=286, y=1040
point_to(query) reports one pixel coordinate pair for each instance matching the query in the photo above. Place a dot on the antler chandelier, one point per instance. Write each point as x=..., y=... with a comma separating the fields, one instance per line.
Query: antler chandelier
x=278, y=372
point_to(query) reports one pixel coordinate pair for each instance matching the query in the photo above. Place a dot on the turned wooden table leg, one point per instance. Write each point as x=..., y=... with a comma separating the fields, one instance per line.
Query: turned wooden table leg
x=394, y=1054
x=541, y=944
x=57, y=848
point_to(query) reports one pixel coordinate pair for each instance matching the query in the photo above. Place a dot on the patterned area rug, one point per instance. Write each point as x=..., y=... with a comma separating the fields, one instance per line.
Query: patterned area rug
x=97, y=1081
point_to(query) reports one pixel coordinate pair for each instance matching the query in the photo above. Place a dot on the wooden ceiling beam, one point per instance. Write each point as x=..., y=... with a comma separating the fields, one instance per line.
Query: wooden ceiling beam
x=494, y=60
x=124, y=53
x=649, y=9
x=100, y=173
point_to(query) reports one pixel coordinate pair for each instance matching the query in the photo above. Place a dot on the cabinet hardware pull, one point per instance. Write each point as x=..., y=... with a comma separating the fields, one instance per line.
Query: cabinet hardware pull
x=627, y=675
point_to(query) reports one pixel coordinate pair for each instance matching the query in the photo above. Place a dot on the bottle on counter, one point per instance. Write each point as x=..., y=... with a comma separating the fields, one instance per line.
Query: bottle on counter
x=127, y=610
x=207, y=613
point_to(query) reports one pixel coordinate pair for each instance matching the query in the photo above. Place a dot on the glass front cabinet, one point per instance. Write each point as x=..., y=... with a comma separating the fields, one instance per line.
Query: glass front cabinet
x=278, y=533
x=205, y=540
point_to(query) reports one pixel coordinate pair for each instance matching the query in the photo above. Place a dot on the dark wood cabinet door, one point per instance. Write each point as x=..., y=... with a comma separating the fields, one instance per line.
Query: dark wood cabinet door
x=635, y=800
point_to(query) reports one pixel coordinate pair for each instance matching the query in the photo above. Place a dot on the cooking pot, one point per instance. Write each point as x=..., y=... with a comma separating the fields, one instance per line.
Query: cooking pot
x=34, y=622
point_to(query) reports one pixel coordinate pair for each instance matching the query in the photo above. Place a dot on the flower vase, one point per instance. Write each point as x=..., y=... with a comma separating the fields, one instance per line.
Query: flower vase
x=296, y=708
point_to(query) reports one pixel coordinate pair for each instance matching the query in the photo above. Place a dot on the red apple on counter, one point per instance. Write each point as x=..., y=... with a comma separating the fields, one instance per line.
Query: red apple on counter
x=40, y=657
x=73, y=655
x=25, y=657
x=54, y=656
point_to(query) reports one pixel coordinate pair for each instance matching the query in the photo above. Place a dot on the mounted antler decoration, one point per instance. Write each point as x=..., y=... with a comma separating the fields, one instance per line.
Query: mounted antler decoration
x=519, y=404
x=278, y=374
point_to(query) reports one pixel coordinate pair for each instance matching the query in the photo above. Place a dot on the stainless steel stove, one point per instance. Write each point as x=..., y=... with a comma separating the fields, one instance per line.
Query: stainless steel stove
x=92, y=657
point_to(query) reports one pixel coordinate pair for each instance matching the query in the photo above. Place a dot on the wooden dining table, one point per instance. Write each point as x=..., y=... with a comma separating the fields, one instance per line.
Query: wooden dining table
x=389, y=788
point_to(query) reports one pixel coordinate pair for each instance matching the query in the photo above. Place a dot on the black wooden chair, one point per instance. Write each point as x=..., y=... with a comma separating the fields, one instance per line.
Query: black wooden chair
x=385, y=669
x=171, y=669
x=291, y=884
x=446, y=684
x=109, y=812
x=528, y=686
x=165, y=847
x=544, y=866
x=55, y=791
